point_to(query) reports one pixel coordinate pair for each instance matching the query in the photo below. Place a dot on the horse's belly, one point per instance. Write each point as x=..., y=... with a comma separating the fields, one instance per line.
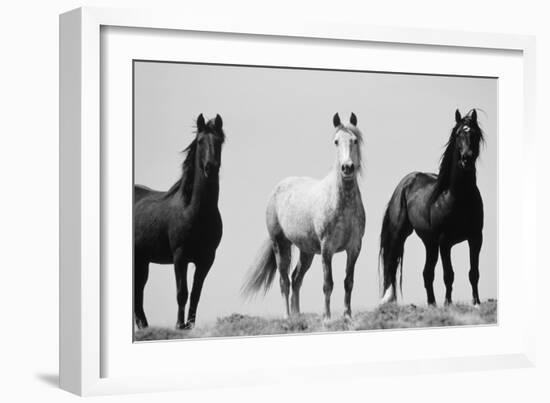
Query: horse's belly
x=162, y=259
x=296, y=225
x=457, y=230
x=154, y=249
x=307, y=244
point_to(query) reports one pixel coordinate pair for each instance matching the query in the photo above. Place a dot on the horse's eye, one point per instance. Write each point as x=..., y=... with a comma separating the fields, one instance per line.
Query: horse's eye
x=354, y=141
x=335, y=142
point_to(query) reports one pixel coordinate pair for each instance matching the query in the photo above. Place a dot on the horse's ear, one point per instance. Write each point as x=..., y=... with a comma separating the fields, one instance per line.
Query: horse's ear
x=353, y=119
x=458, y=116
x=201, y=125
x=473, y=115
x=218, y=122
x=336, y=120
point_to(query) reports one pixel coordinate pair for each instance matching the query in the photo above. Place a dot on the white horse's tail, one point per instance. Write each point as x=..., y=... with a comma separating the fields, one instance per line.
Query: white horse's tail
x=262, y=271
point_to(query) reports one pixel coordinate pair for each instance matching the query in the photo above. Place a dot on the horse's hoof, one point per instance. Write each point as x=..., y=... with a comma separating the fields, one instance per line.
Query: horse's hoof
x=385, y=301
x=448, y=303
x=142, y=324
x=181, y=326
x=189, y=326
x=388, y=298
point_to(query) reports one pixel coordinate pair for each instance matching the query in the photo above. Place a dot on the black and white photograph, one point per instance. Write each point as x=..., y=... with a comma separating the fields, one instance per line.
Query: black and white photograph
x=273, y=200
x=277, y=201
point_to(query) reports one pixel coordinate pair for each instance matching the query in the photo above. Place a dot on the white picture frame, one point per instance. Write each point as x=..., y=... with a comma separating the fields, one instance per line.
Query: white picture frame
x=86, y=346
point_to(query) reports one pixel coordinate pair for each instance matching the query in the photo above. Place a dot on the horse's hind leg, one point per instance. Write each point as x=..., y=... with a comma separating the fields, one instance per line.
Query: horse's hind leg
x=475, y=247
x=392, y=258
x=281, y=247
x=303, y=265
x=141, y=273
x=396, y=228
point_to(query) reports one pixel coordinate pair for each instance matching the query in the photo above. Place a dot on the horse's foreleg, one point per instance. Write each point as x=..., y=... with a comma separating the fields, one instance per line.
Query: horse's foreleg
x=328, y=283
x=281, y=248
x=448, y=273
x=141, y=273
x=352, y=255
x=303, y=265
x=429, y=269
x=201, y=271
x=180, y=268
x=475, y=247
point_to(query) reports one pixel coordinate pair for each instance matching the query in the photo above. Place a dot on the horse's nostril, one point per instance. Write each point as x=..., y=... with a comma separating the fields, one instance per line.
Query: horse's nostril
x=211, y=168
x=466, y=161
x=348, y=168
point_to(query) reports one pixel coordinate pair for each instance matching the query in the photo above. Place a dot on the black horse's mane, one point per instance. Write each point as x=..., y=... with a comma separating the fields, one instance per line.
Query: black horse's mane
x=186, y=182
x=446, y=166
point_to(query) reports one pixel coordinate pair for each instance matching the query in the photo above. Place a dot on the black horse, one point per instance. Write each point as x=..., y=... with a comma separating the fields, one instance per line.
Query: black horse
x=443, y=209
x=182, y=225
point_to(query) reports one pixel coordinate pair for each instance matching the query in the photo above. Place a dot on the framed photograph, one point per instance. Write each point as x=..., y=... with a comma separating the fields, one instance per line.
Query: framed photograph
x=279, y=199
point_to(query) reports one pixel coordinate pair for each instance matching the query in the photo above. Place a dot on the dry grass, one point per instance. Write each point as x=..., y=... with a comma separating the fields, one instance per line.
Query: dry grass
x=389, y=316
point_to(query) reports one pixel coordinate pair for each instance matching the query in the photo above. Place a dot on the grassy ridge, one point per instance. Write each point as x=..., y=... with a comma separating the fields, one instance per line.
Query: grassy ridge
x=389, y=316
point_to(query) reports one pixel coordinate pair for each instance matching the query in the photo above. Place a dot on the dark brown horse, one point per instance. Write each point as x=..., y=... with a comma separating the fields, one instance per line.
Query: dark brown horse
x=442, y=209
x=182, y=225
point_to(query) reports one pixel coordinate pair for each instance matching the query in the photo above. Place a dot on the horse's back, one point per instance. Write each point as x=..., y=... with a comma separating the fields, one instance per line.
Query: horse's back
x=292, y=192
x=413, y=185
x=140, y=192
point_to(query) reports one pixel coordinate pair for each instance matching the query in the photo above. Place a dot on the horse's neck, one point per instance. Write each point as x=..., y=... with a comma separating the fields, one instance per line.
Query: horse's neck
x=205, y=193
x=459, y=186
x=344, y=192
x=462, y=183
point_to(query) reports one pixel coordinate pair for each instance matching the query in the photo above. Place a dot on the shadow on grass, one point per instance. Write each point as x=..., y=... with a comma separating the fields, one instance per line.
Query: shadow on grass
x=388, y=316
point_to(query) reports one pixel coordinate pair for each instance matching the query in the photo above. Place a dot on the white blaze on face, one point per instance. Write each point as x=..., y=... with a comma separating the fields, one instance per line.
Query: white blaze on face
x=347, y=148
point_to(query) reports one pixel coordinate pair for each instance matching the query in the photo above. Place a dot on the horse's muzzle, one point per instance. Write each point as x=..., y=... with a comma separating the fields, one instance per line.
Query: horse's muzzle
x=348, y=169
x=211, y=169
x=466, y=162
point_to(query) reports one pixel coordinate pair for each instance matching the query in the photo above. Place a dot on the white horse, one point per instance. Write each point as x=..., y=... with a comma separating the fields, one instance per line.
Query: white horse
x=318, y=217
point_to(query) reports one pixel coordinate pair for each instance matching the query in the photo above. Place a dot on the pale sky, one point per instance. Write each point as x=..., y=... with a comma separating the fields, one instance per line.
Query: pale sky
x=278, y=123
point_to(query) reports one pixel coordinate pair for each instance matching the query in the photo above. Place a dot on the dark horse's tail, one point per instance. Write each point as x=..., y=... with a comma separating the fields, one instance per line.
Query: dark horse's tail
x=395, y=230
x=262, y=271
